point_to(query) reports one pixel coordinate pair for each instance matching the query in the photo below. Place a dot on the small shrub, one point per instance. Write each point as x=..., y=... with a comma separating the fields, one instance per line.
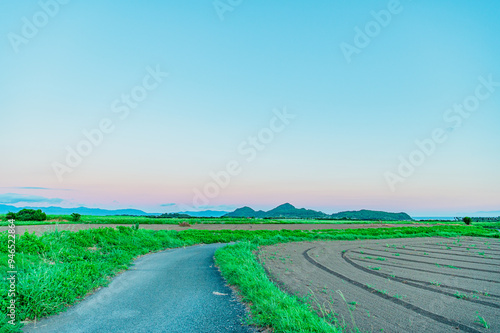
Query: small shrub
x=75, y=217
x=467, y=220
x=30, y=215
x=10, y=216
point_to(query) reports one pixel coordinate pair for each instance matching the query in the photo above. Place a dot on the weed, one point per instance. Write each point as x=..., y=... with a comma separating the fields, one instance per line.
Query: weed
x=481, y=321
x=460, y=296
x=350, y=311
x=435, y=283
x=451, y=266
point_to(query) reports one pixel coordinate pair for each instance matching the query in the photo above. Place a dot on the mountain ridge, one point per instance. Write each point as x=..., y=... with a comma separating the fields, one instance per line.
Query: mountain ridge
x=287, y=210
x=54, y=210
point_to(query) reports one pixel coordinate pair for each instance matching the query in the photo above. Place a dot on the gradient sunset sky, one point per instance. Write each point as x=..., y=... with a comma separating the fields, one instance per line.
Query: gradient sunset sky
x=361, y=83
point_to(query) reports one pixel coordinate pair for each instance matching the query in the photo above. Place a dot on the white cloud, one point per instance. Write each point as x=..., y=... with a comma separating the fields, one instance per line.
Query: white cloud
x=12, y=198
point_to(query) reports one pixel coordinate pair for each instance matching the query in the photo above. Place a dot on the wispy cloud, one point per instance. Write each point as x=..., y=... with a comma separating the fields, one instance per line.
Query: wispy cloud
x=12, y=198
x=168, y=204
x=37, y=188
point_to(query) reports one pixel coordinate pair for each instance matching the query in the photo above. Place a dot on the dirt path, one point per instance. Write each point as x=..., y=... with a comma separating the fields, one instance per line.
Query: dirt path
x=398, y=285
x=39, y=229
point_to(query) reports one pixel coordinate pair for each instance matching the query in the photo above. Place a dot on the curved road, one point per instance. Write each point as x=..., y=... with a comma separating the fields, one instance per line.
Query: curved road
x=177, y=290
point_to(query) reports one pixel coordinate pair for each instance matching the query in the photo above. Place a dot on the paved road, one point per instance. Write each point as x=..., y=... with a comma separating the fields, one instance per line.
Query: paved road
x=170, y=291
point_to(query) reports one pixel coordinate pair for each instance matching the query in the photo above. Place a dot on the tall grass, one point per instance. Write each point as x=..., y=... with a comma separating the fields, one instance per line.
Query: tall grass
x=270, y=307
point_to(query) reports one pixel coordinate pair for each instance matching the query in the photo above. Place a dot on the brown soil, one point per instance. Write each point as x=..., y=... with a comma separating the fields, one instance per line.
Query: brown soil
x=39, y=229
x=394, y=285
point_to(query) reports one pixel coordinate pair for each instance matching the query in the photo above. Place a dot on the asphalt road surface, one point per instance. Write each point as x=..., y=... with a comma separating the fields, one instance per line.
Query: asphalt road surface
x=176, y=290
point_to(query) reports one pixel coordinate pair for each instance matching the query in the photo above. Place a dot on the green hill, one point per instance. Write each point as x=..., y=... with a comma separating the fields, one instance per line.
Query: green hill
x=288, y=211
x=371, y=215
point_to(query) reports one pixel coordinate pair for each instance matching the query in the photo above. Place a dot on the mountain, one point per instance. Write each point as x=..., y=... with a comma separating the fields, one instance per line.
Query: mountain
x=286, y=210
x=283, y=211
x=371, y=215
x=289, y=211
x=104, y=212
x=246, y=212
x=491, y=213
x=80, y=210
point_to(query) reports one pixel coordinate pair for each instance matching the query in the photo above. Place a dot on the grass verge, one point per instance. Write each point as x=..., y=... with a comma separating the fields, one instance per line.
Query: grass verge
x=270, y=307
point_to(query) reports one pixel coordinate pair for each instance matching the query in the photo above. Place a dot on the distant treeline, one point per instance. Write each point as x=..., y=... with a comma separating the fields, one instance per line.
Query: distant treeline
x=481, y=219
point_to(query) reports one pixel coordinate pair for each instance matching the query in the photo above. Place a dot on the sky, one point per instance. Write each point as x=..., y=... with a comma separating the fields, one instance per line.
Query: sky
x=190, y=105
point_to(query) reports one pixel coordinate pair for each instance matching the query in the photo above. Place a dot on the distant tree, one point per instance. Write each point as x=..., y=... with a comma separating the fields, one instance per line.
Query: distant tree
x=75, y=217
x=31, y=215
x=11, y=216
x=467, y=220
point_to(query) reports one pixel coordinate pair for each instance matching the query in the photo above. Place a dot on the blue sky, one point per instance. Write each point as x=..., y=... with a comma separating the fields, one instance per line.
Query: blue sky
x=353, y=117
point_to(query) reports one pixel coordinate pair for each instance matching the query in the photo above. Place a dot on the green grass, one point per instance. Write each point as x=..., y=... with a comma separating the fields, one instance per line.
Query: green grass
x=58, y=269
x=269, y=305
